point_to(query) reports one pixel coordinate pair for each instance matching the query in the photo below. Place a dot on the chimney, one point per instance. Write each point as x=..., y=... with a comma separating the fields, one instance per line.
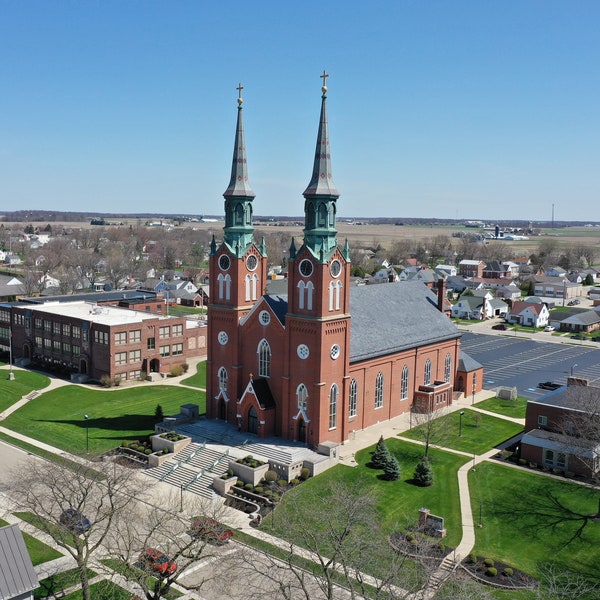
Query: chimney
x=441, y=293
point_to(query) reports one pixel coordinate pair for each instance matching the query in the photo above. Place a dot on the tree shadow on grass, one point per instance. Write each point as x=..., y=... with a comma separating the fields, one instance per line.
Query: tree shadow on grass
x=124, y=423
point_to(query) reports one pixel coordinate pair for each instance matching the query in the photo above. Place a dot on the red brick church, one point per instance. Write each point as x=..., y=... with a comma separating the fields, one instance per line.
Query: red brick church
x=328, y=358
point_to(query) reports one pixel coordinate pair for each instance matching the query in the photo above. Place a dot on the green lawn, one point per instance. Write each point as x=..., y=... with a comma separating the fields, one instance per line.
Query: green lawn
x=476, y=437
x=23, y=383
x=38, y=551
x=396, y=500
x=55, y=585
x=509, y=408
x=102, y=590
x=517, y=511
x=57, y=417
x=199, y=379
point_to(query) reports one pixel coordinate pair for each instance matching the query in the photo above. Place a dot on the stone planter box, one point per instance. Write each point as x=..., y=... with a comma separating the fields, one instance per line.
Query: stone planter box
x=248, y=474
x=159, y=443
x=222, y=486
x=154, y=460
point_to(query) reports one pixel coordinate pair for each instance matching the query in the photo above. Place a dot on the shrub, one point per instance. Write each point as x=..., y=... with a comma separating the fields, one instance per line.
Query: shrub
x=522, y=462
x=508, y=572
x=185, y=367
x=148, y=451
x=239, y=483
x=473, y=558
x=143, y=375
x=380, y=455
x=491, y=571
x=259, y=489
x=117, y=381
x=441, y=547
x=230, y=472
x=159, y=415
x=423, y=475
x=106, y=381
x=294, y=481
x=304, y=473
x=176, y=371
x=270, y=476
x=410, y=536
x=488, y=562
x=276, y=497
x=249, y=487
x=281, y=482
x=124, y=444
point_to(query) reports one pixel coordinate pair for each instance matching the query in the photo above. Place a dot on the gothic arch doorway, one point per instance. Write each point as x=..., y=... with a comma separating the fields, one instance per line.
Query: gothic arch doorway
x=302, y=431
x=222, y=410
x=461, y=384
x=155, y=365
x=252, y=420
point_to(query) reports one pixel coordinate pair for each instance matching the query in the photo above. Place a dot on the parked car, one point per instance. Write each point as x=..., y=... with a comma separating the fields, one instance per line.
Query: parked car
x=500, y=326
x=157, y=561
x=211, y=531
x=75, y=521
x=574, y=302
x=549, y=385
x=549, y=328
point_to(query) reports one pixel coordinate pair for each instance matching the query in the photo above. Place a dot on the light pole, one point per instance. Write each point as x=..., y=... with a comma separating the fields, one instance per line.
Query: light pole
x=181, y=498
x=572, y=368
x=461, y=413
x=481, y=513
x=87, y=434
x=473, y=461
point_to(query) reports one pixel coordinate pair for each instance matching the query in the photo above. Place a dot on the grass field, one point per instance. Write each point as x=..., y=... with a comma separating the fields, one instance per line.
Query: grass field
x=55, y=585
x=476, y=437
x=510, y=408
x=517, y=513
x=57, y=417
x=199, y=379
x=23, y=383
x=397, y=501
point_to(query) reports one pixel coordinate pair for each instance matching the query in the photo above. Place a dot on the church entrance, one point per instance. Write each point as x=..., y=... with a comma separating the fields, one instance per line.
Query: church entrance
x=222, y=410
x=252, y=421
x=460, y=384
x=302, y=431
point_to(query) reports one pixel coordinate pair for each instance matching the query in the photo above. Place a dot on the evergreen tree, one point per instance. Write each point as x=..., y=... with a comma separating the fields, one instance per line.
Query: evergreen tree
x=158, y=413
x=391, y=469
x=423, y=473
x=380, y=455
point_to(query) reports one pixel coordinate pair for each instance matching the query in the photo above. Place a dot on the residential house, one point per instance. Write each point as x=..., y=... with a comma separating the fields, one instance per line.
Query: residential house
x=386, y=275
x=495, y=270
x=10, y=288
x=471, y=268
x=555, y=272
x=449, y=270
x=425, y=275
x=512, y=268
x=471, y=307
x=530, y=314
x=554, y=437
x=508, y=292
x=585, y=321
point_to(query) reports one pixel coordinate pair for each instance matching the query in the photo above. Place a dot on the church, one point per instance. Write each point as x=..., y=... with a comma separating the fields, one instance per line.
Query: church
x=329, y=358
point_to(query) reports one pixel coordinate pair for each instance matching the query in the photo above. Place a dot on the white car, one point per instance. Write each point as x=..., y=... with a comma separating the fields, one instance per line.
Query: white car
x=549, y=328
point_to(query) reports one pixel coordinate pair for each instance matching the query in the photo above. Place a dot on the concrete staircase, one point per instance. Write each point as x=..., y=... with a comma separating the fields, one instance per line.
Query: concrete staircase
x=444, y=571
x=193, y=469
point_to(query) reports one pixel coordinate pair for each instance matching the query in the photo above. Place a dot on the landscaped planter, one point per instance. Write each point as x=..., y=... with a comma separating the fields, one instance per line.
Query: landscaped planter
x=248, y=474
x=155, y=460
x=223, y=486
x=169, y=440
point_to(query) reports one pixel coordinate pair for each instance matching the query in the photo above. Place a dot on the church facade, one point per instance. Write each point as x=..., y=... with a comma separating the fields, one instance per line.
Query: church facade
x=328, y=358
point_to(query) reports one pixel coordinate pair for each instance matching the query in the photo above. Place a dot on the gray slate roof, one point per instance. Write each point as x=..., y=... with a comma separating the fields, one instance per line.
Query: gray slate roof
x=17, y=576
x=467, y=364
x=395, y=317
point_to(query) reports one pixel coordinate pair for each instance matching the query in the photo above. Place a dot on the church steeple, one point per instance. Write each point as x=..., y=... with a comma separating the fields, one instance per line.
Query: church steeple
x=238, y=230
x=321, y=194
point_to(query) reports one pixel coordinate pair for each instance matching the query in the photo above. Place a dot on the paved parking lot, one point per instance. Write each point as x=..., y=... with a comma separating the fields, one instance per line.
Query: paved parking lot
x=523, y=363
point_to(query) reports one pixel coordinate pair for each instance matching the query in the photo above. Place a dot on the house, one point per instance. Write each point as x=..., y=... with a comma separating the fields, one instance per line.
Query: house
x=427, y=276
x=546, y=287
x=10, y=288
x=585, y=321
x=530, y=314
x=18, y=578
x=508, y=292
x=555, y=272
x=386, y=275
x=471, y=268
x=512, y=268
x=561, y=429
x=475, y=306
x=449, y=270
x=494, y=269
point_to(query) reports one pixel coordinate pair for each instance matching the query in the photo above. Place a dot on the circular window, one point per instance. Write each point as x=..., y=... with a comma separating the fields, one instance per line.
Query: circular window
x=251, y=262
x=335, y=351
x=303, y=351
x=335, y=268
x=224, y=262
x=264, y=317
x=306, y=268
x=223, y=338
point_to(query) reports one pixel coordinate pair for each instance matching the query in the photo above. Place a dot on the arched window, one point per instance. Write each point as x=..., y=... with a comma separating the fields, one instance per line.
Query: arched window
x=221, y=279
x=333, y=397
x=334, y=295
x=222, y=374
x=305, y=294
x=404, y=383
x=353, y=399
x=322, y=216
x=427, y=374
x=379, y=390
x=302, y=396
x=227, y=280
x=239, y=215
x=447, y=368
x=264, y=359
x=251, y=285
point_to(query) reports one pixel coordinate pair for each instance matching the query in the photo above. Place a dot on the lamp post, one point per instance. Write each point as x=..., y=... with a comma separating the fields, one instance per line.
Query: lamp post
x=461, y=413
x=87, y=433
x=11, y=375
x=572, y=368
x=473, y=461
x=181, y=498
x=481, y=513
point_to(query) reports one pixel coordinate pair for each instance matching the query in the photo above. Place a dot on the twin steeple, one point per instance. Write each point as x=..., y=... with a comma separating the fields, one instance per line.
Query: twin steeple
x=320, y=235
x=238, y=230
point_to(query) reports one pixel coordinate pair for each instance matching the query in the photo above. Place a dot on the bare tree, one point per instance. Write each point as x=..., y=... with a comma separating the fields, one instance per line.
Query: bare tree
x=74, y=504
x=155, y=545
x=431, y=427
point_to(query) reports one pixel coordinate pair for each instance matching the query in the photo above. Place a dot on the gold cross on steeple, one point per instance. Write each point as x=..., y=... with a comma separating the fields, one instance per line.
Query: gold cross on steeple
x=324, y=78
x=239, y=88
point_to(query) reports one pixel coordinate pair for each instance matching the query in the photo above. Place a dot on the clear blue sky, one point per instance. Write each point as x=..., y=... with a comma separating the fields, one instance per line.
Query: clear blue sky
x=462, y=109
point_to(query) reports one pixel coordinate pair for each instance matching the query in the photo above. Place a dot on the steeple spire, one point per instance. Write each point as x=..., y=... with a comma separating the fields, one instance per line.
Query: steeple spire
x=238, y=196
x=321, y=193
